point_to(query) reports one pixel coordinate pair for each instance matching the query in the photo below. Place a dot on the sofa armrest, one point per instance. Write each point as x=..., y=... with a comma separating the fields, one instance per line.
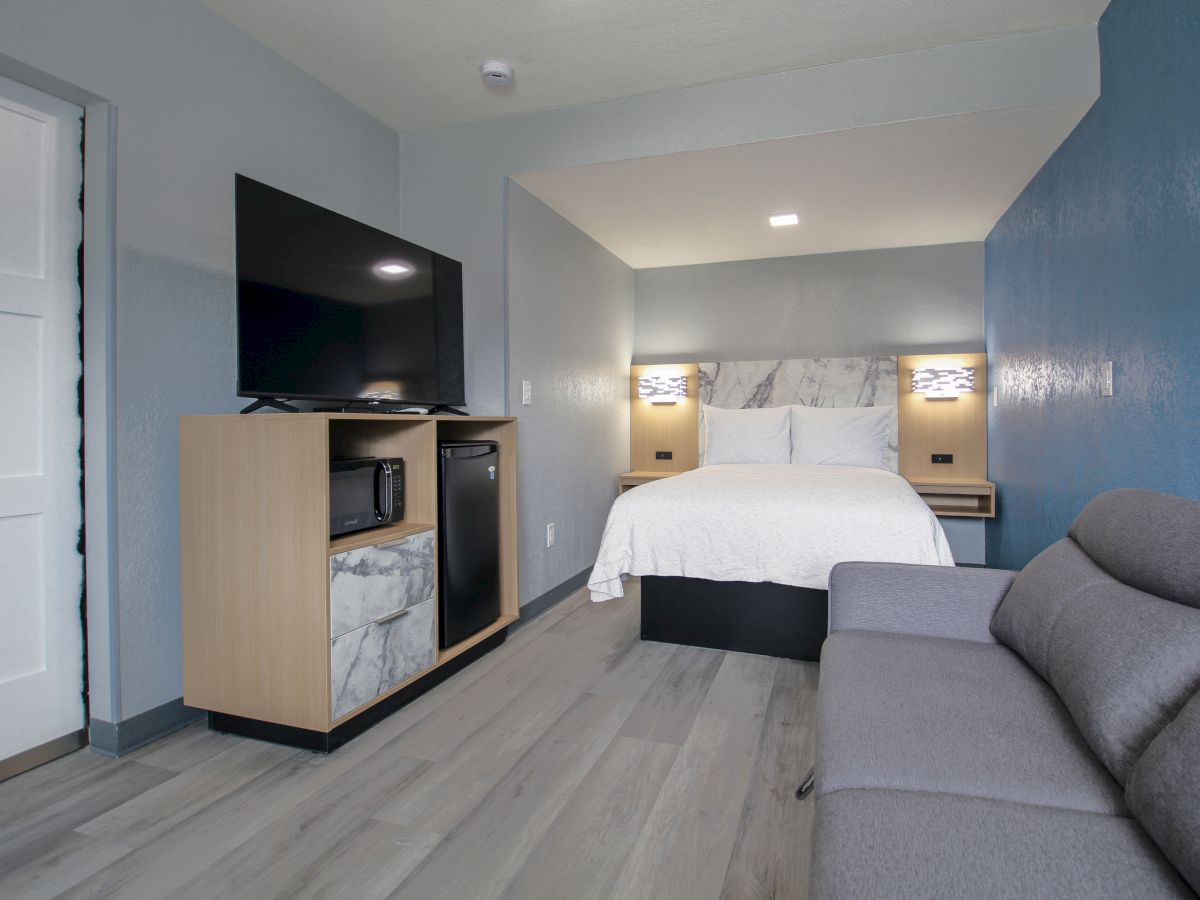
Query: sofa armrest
x=938, y=601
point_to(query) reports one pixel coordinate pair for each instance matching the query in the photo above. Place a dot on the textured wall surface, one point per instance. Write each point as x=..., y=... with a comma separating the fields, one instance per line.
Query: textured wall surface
x=570, y=307
x=1099, y=259
x=865, y=303
x=197, y=101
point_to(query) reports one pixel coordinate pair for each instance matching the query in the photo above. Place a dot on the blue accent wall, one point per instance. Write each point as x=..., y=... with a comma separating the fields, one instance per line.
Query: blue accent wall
x=1099, y=259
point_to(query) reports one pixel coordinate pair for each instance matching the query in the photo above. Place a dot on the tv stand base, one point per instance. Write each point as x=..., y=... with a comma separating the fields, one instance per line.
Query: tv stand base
x=441, y=409
x=328, y=741
x=270, y=403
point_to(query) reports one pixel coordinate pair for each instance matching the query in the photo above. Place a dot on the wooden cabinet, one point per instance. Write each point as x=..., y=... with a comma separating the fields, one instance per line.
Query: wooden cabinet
x=289, y=634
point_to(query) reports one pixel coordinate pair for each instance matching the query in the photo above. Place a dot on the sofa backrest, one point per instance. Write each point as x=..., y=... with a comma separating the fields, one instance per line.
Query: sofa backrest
x=1124, y=659
x=1146, y=540
x=1164, y=792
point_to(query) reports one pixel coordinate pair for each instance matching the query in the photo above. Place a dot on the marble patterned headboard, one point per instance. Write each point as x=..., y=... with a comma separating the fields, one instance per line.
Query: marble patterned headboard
x=850, y=381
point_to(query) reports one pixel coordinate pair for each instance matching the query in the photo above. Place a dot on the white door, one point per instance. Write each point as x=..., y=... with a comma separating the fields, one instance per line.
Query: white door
x=41, y=568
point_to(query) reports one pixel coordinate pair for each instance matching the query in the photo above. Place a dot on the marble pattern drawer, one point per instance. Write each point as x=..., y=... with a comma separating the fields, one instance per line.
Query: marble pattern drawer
x=370, y=582
x=370, y=660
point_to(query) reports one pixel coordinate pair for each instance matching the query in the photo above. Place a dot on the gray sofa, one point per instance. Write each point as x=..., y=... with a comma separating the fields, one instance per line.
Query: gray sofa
x=991, y=734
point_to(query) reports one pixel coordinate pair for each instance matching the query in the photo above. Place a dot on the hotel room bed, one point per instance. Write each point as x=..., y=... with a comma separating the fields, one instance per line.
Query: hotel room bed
x=787, y=524
x=738, y=556
x=798, y=461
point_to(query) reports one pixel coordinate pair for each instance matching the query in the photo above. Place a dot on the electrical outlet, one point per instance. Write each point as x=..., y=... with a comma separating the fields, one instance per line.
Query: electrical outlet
x=1106, y=379
x=527, y=393
x=663, y=454
x=550, y=535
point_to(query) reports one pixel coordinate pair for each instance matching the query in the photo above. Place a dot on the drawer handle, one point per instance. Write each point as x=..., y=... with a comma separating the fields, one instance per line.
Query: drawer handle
x=393, y=543
x=382, y=620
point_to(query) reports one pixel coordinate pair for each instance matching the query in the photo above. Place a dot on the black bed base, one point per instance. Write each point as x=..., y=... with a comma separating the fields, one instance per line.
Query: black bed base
x=769, y=619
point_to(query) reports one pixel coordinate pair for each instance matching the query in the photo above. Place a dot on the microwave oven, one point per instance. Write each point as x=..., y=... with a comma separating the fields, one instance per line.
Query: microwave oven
x=365, y=493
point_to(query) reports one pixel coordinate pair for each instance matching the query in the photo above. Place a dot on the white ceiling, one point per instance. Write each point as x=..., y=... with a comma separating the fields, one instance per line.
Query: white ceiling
x=932, y=181
x=415, y=63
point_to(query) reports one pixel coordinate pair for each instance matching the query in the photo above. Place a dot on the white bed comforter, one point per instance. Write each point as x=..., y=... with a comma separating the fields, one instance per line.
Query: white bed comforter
x=785, y=524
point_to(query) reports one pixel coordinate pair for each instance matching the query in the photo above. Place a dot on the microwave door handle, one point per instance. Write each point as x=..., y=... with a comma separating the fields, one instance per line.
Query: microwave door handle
x=383, y=501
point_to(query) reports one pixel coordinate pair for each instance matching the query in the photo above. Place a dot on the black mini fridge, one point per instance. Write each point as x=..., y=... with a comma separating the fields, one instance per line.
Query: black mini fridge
x=469, y=538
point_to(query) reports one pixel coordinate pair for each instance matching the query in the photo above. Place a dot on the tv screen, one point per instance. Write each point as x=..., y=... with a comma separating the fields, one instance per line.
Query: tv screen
x=332, y=309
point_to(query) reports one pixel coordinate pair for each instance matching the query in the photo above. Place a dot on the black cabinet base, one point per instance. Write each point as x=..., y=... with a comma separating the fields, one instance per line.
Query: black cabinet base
x=327, y=742
x=768, y=619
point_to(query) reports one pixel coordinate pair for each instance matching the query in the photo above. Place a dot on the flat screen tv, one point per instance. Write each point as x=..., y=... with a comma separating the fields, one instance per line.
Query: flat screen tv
x=332, y=309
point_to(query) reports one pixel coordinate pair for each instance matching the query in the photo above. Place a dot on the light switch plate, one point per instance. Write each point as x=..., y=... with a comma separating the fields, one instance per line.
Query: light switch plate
x=527, y=393
x=1106, y=379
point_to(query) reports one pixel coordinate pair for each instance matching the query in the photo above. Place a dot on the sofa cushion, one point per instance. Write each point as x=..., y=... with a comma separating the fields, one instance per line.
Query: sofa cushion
x=1145, y=539
x=1164, y=791
x=1123, y=661
x=920, y=713
x=912, y=844
x=1025, y=617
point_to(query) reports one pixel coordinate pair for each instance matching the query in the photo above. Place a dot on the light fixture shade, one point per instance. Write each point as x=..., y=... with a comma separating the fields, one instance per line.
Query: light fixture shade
x=943, y=383
x=662, y=388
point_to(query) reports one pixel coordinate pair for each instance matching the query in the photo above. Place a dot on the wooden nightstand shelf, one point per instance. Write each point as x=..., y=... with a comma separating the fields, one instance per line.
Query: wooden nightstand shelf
x=633, y=479
x=972, y=497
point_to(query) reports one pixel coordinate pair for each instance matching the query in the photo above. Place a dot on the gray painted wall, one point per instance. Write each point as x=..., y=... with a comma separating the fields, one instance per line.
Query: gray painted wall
x=197, y=100
x=967, y=539
x=570, y=314
x=912, y=300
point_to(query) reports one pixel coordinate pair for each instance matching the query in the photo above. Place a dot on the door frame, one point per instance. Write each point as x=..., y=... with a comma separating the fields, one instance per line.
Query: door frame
x=101, y=625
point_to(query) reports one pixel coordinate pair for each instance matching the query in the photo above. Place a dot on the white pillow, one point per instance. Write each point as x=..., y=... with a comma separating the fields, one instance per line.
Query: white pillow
x=852, y=436
x=747, y=435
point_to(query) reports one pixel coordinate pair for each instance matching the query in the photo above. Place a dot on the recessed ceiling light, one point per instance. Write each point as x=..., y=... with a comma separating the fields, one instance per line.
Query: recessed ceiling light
x=392, y=269
x=784, y=220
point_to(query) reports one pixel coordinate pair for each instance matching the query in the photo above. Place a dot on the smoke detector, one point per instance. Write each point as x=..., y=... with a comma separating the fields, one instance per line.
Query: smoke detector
x=496, y=72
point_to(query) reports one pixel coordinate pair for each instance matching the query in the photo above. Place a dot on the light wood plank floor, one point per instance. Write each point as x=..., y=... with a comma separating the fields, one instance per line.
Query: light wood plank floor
x=576, y=761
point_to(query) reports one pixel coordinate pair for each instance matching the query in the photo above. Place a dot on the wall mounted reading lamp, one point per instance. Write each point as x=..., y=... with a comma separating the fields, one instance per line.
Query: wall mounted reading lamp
x=943, y=384
x=660, y=389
